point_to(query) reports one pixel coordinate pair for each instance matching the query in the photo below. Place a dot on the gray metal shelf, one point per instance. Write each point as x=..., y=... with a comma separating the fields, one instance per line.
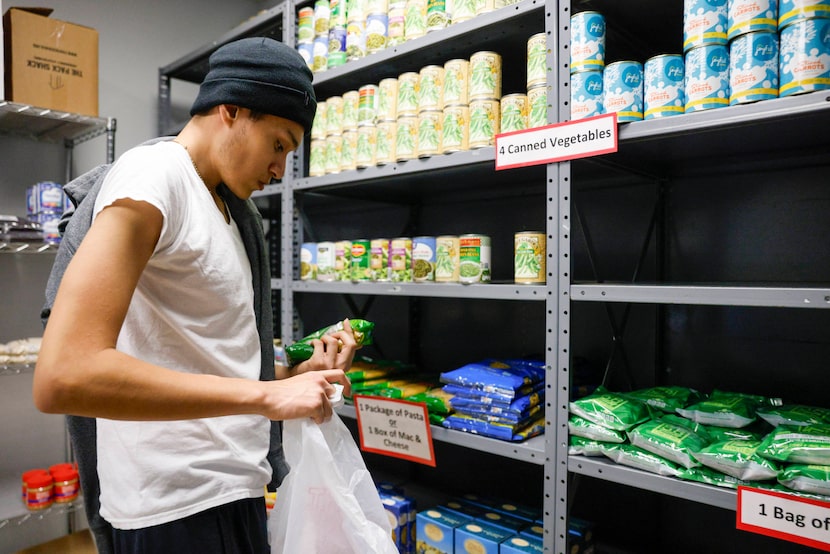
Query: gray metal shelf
x=506, y=291
x=45, y=125
x=602, y=468
x=716, y=295
x=531, y=450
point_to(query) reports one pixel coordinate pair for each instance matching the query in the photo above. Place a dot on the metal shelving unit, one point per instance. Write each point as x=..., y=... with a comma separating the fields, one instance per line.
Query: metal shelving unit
x=736, y=145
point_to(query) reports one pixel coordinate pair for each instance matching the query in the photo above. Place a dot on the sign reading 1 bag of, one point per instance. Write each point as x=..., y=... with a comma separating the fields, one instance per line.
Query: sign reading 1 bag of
x=49, y=63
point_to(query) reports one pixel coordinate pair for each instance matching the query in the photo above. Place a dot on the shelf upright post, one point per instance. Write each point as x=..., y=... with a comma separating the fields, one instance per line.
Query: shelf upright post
x=557, y=25
x=164, y=114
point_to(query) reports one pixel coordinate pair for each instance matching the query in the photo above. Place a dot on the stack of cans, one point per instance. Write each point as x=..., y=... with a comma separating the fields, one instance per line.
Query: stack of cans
x=705, y=36
x=45, y=204
x=804, y=59
x=587, y=64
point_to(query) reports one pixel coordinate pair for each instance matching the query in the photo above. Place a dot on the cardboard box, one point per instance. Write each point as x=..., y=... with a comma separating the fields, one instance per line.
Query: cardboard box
x=435, y=531
x=481, y=538
x=50, y=63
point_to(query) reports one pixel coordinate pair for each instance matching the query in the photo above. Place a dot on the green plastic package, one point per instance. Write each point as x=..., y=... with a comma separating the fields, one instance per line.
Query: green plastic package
x=581, y=427
x=738, y=458
x=668, y=440
x=633, y=456
x=666, y=398
x=808, y=444
x=302, y=349
x=794, y=414
x=610, y=409
x=806, y=478
x=703, y=474
x=726, y=409
x=580, y=446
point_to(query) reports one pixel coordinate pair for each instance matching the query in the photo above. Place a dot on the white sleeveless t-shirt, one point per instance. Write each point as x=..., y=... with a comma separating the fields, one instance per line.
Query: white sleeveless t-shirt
x=193, y=312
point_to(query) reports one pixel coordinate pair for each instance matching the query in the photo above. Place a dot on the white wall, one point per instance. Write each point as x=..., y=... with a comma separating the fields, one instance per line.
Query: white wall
x=136, y=37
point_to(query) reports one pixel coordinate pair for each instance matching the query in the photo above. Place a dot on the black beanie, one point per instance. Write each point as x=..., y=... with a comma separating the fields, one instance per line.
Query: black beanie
x=260, y=74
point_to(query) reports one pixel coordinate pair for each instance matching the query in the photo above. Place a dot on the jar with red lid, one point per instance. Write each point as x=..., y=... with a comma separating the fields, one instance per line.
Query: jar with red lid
x=66, y=484
x=39, y=491
x=26, y=475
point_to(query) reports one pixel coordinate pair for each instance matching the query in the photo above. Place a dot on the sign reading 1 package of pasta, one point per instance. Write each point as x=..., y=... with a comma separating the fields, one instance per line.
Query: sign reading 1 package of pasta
x=560, y=142
x=396, y=428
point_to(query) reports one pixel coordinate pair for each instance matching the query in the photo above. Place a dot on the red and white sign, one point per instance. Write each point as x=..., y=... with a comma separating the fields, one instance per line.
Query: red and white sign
x=395, y=428
x=559, y=142
x=784, y=516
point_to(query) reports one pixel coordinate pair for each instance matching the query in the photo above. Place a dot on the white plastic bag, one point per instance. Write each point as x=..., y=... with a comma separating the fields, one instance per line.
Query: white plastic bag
x=328, y=503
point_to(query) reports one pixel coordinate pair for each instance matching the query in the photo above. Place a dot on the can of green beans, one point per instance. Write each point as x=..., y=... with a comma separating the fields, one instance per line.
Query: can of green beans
x=529, y=257
x=485, y=120
x=446, y=259
x=385, y=142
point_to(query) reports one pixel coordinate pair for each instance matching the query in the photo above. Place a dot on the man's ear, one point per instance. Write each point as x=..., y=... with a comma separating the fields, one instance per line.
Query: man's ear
x=228, y=112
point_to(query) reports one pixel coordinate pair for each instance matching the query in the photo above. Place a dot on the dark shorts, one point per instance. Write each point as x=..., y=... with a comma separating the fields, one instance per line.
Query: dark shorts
x=236, y=528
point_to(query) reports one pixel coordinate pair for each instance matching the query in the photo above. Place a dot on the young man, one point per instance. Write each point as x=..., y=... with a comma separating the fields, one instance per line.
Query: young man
x=155, y=330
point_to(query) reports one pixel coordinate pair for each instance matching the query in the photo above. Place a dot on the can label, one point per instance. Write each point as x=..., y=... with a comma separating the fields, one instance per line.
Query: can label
x=305, y=25
x=529, y=257
x=586, y=94
x=474, y=259
x=744, y=16
x=308, y=261
x=377, y=29
x=462, y=10
x=430, y=88
x=408, y=93
x=367, y=108
x=790, y=11
x=317, y=158
x=753, y=67
x=429, y=133
x=537, y=63
x=622, y=90
x=513, y=113
x=360, y=268
x=415, y=19
x=396, y=24
x=387, y=107
x=376, y=6
x=366, y=146
x=485, y=6
x=456, y=82
x=484, y=122
x=319, y=129
x=334, y=143
x=326, y=259
x=455, y=132
x=485, y=75
x=446, y=259
x=386, y=139
x=343, y=260
x=306, y=50
x=348, y=151
x=356, y=9
x=335, y=59
x=400, y=260
x=379, y=261
x=705, y=23
x=587, y=41
x=423, y=259
x=349, y=117
x=406, y=138
x=355, y=39
x=663, y=90
x=537, y=101
x=437, y=16
x=334, y=115
x=707, y=78
x=337, y=13
x=805, y=56
x=320, y=53
x=322, y=13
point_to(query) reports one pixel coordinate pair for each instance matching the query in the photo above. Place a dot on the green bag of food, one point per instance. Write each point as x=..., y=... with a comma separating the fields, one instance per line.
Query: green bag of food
x=302, y=349
x=703, y=474
x=726, y=409
x=580, y=446
x=669, y=440
x=738, y=458
x=808, y=444
x=667, y=398
x=794, y=414
x=610, y=409
x=581, y=427
x=806, y=478
x=633, y=456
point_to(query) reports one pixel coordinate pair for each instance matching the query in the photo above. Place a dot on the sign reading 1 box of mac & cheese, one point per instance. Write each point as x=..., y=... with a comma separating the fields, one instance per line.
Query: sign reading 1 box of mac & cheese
x=560, y=142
